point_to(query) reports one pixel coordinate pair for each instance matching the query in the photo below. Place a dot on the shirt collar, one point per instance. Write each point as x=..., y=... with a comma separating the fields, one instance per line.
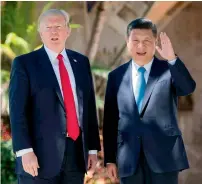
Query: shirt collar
x=147, y=66
x=53, y=55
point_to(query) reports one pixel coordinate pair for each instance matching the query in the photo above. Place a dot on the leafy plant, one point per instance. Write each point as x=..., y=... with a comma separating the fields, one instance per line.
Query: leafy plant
x=7, y=163
x=102, y=72
x=4, y=76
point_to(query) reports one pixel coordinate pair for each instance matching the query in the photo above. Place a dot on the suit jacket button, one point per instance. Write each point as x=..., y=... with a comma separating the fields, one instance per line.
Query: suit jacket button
x=138, y=137
x=141, y=119
x=65, y=115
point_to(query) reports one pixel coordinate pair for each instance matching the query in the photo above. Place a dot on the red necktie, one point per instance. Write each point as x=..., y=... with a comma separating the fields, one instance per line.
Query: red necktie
x=72, y=121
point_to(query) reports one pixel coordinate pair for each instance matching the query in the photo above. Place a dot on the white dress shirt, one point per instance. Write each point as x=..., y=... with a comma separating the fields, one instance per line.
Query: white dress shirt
x=135, y=74
x=147, y=67
x=55, y=64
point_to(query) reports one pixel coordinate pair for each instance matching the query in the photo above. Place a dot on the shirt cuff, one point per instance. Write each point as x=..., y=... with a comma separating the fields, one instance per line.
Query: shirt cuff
x=92, y=152
x=172, y=62
x=23, y=152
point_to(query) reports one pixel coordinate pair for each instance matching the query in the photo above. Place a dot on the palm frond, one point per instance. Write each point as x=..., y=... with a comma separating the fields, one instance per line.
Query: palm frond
x=47, y=6
x=13, y=39
x=75, y=26
x=8, y=51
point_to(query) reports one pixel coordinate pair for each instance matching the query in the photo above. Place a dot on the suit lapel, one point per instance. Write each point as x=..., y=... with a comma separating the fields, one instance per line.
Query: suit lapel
x=127, y=96
x=50, y=74
x=78, y=80
x=153, y=78
x=45, y=63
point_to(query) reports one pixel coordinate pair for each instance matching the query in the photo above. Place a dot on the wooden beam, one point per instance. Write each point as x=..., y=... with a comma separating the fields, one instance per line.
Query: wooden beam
x=98, y=26
x=159, y=9
x=113, y=20
x=117, y=24
x=167, y=19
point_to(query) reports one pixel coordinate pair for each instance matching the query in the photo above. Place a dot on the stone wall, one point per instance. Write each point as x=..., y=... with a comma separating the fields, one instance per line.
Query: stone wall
x=185, y=32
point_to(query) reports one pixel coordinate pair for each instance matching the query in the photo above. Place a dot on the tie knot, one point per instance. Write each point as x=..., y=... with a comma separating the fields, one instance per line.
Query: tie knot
x=141, y=70
x=59, y=56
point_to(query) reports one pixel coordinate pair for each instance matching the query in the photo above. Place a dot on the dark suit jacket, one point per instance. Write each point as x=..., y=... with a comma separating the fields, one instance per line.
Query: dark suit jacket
x=38, y=118
x=156, y=126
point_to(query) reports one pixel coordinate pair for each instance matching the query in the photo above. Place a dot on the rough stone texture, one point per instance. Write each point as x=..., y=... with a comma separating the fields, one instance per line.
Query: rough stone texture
x=185, y=32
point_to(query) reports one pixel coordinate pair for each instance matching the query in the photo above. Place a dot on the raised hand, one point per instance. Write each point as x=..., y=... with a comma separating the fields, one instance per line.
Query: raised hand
x=166, y=51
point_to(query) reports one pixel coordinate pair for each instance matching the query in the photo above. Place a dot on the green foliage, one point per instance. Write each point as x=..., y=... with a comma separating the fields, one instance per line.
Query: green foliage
x=6, y=49
x=5, y=75
x=7, y=163
x=74, y=26
x=22, y=20
x=7, y=18
x=20, y=29
x=14, y=45
x=47, y=6
x=17, y=43
x=15, y=19
x=102, y=72
x=32, y=35
x=99, y=102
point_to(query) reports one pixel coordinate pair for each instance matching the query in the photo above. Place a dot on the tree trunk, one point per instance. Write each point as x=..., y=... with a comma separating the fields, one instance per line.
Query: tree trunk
x=96, y=32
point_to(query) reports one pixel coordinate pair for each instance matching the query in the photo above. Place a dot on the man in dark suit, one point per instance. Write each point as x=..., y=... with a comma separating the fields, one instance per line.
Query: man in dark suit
x=141, y=133
x=52, y=109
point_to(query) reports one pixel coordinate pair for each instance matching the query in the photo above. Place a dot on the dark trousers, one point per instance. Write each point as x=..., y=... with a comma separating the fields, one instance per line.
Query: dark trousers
x=144, y=175
x=72, y=170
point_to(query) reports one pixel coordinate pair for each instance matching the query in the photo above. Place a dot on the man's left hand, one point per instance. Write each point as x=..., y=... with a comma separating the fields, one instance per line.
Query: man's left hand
x=166, y=51
x=92, y=161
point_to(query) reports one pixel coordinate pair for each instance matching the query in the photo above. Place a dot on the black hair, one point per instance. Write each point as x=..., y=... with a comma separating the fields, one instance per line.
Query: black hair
x=142, y=23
